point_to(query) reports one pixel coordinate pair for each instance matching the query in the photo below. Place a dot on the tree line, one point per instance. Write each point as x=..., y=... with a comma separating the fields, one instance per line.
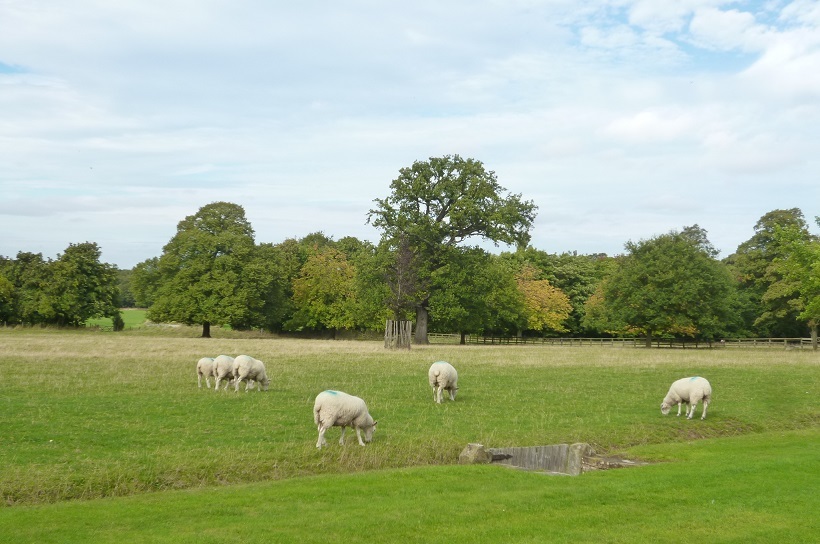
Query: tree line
x=426, y=268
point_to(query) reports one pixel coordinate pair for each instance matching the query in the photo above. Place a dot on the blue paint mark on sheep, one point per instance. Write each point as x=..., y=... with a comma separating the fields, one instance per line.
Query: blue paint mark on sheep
x=332, y=392
x=694, y=378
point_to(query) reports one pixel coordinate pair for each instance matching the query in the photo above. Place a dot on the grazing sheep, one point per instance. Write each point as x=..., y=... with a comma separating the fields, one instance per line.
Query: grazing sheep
x=248, y=369
x=688, y=391
x=223, y=370
x=338, y=409
x=443, y=377
x=204, y=367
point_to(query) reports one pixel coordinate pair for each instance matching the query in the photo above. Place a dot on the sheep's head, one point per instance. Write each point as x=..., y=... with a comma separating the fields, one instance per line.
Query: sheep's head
x=665, y=408
x=368, y=432
x=263, y=385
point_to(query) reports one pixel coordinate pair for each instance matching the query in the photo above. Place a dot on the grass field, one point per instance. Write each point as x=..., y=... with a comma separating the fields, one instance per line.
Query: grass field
x=132, y=317
x=107, y=436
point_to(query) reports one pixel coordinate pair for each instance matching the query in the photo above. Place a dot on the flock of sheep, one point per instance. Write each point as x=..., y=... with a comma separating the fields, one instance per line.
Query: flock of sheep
x=339, y=409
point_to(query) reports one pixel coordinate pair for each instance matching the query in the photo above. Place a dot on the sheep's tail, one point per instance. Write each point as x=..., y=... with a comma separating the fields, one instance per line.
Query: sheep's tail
x=316, y=418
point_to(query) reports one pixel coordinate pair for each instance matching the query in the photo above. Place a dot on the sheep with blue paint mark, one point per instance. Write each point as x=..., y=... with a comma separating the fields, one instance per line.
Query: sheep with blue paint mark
x=443, y=377
x=339, y=409
x=249, y=370
x=204, y=369
x=688, y=391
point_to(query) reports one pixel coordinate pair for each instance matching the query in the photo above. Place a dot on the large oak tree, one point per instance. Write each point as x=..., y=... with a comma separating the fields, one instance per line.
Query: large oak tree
x=440, y=203
x=201, y=276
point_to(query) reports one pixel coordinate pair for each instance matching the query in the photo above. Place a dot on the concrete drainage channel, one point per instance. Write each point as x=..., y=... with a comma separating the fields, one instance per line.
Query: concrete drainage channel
x=567, y=459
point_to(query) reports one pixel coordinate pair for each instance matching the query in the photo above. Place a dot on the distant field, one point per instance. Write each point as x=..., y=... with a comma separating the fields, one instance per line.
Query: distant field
x=133, y=318
x=90, y=415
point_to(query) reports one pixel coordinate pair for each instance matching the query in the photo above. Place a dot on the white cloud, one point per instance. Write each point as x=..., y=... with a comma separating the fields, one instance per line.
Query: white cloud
x=122, y=118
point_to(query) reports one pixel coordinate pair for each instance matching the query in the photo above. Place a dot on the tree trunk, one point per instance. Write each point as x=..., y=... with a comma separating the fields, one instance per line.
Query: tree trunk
x=813, y=326
x=421, y=324
x=463, y=340
x=206, y=329
x=649, y=339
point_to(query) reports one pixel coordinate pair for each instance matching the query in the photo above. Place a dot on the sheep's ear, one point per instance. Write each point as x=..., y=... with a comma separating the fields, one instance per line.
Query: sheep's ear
x=375, y=423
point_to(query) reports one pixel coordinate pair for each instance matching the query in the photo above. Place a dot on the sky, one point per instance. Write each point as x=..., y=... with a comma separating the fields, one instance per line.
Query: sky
x=620, y=119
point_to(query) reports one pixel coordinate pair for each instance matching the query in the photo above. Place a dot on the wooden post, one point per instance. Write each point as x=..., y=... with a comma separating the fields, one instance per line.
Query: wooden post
x=397, y=334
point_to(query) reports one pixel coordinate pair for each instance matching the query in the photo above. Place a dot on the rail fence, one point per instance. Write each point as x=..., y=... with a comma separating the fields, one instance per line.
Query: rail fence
x=725, y=343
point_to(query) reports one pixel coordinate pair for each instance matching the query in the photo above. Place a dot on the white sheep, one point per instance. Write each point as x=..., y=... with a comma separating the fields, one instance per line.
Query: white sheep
x=248, y=369
x=688, y=391
x=443, y=377
x=338, y=409
x=204, y=368
x=223, y=370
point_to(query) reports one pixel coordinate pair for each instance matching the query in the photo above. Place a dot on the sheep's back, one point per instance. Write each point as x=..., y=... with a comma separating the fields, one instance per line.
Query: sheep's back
x=338, y=408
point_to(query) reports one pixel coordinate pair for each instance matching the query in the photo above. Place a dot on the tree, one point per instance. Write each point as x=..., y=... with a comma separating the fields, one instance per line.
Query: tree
x=28, y=274
x=577, y=276
x=201, y=273
x=475, y=292
x=145, y=282
x=799, y=268
x=440, y=203
x=547, y=307
x=81, y=287
x=669, y=284
x=324, y=293
x=772, y=311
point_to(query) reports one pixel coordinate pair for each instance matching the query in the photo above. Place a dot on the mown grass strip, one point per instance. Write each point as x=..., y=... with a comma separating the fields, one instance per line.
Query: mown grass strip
x=755, y=488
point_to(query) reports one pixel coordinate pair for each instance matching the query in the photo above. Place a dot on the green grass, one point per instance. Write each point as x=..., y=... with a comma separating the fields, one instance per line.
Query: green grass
x=133, y=318
x=757, y=488
x=96, y=416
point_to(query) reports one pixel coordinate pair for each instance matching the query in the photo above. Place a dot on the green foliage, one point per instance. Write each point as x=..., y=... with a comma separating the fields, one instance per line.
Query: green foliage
x=769, y=309
x=799, y=269
x=668, y=285
x=547, y=307
x=202, y=273
x=475, y=292
x=66, y=292
x=324, y=293
x=437, y=204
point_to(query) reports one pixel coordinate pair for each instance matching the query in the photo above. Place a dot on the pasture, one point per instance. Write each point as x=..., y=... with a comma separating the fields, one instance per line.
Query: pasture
x=103, y=432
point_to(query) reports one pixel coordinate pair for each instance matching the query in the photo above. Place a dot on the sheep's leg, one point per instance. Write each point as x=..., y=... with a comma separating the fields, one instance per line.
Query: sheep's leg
x=434, y=393
x=359, y=436
x=342, y=438
x=452, y=395
x=208, y=381
x=438, y=394
x=693, y=403
x=703, y=413
x=199, y=381
x=679, y=409
x=216, y=384
x=321, y=442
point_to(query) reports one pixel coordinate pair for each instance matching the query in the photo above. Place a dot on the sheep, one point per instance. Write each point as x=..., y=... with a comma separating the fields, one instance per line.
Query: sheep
x=338, y=409
x=204, y=367
x=443, y=377
x=223, y=370
x=248, y=369
x=688, y=391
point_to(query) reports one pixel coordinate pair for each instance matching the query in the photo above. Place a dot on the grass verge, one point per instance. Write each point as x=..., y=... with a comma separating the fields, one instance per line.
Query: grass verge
x=755, y=488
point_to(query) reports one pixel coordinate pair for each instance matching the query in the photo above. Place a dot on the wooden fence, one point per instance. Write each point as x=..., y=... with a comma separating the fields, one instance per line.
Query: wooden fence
x=726, y=343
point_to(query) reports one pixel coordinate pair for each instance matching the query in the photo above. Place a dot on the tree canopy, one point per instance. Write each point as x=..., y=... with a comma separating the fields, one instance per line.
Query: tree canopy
x=200, y=274
x=440, y=203
x=669, y=284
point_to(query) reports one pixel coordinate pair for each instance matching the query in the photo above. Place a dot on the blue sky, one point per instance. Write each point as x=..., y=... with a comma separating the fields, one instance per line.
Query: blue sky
x=621, y=119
